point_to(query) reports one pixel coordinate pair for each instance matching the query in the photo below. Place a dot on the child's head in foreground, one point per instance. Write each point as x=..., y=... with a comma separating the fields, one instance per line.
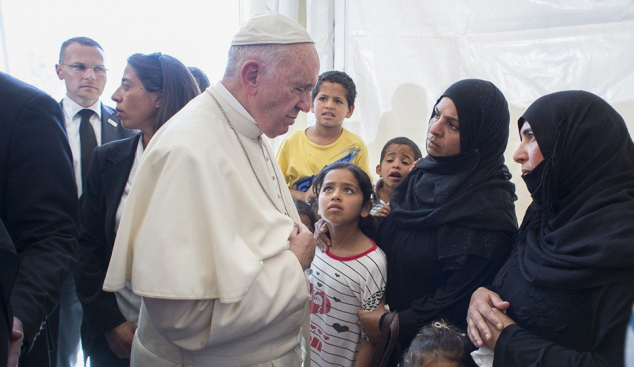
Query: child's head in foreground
x=439, y=345
x=397, y=157
x=345, y=194
x=332, y=99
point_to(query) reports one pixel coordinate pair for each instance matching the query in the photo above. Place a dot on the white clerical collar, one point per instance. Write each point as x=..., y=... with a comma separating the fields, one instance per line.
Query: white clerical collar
x=227, y=96
x=71, y=107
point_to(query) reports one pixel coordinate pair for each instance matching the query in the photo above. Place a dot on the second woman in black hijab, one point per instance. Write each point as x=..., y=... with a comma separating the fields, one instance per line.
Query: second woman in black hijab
x=453, y=217
x=568, y=287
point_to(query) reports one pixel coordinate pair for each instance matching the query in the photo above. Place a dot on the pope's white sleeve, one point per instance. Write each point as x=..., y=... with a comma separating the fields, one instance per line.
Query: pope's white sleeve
x=186, y=323
x=276, y=299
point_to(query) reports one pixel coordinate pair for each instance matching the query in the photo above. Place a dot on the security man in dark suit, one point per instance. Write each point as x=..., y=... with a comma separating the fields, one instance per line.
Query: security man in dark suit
x=88, y=123
x=38, y=208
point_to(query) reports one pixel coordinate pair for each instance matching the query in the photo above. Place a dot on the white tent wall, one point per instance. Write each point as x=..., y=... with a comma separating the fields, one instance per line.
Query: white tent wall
x=3, y=43
x=196, y=32
x=404, y=54
x=296, y=10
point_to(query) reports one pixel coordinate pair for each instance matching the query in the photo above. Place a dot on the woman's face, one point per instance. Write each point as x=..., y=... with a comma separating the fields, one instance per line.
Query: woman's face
x=528, y=154
x=443, y=132
x=136, y=107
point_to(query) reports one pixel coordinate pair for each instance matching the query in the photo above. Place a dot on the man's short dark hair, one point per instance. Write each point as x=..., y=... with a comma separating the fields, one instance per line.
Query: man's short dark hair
x=84, y=41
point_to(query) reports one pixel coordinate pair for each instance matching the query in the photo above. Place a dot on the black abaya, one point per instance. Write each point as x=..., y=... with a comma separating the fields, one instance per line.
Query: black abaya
x=453, y=218
x=570, y=282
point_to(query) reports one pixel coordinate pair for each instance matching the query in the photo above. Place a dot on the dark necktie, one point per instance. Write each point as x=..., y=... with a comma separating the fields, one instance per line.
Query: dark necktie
x=87, y=141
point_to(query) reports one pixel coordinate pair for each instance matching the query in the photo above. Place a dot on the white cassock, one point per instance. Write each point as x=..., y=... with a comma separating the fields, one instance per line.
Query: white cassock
x=206, y=248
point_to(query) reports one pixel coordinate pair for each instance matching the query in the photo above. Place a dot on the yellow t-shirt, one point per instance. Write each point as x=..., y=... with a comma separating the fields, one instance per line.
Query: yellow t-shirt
x=300, y=159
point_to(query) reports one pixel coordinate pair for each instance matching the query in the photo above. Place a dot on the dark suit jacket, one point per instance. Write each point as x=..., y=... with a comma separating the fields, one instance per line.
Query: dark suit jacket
x=38, y=198
x=8, y=271
x=107, y=176
x=109, y=132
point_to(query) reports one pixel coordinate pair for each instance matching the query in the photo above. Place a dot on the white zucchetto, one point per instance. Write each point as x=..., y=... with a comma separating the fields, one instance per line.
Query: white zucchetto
x=270, y=28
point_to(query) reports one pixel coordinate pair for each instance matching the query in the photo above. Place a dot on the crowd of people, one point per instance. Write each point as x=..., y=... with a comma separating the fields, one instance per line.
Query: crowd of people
x=166, y=232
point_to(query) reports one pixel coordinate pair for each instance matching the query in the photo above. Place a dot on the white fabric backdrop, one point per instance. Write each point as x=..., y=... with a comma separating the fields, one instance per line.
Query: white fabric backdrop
x=404, y=54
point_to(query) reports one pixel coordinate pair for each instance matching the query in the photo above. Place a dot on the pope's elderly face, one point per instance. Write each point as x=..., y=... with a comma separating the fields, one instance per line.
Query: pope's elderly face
x=284, y=93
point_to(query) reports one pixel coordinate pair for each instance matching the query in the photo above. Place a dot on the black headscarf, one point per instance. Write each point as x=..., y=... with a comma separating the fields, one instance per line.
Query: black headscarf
x=579, y=231
x=468, y=198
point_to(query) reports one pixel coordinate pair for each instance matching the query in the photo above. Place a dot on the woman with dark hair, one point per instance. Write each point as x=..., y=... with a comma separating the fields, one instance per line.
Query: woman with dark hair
x=153, y=88
x=453, y=217
x=568, y=287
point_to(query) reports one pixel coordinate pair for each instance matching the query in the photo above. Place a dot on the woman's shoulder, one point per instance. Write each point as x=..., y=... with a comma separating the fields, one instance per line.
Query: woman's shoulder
x=120, y=145
x=618, y=294
x=115, y=144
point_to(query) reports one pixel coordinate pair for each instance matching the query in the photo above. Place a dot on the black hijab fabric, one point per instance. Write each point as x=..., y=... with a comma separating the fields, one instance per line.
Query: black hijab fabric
x=579, y=231
x=468, y=198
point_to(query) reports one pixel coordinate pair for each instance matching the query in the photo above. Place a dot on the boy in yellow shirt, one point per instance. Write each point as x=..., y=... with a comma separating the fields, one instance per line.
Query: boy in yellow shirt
x=304, y=153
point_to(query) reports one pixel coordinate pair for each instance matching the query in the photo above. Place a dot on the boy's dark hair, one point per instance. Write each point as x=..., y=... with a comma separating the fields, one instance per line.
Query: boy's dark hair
x=164, y=73
x=338, y=77
x=305, y=208
x=84, y=41
x=439, y=341
x=367, y=225
x=401, y=140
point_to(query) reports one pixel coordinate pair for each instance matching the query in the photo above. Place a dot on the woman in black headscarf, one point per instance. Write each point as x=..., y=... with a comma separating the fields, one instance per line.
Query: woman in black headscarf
x=569, y=285
x=453, y=218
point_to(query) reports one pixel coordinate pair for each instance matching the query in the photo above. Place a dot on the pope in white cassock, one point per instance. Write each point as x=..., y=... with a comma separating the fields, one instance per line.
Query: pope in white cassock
x=210, y=237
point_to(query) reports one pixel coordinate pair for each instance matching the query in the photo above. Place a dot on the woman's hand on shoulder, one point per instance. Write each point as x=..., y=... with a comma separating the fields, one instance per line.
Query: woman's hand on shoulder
x=481, y=318
x=414, y=165
x=384, y=211
x=322, y=235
